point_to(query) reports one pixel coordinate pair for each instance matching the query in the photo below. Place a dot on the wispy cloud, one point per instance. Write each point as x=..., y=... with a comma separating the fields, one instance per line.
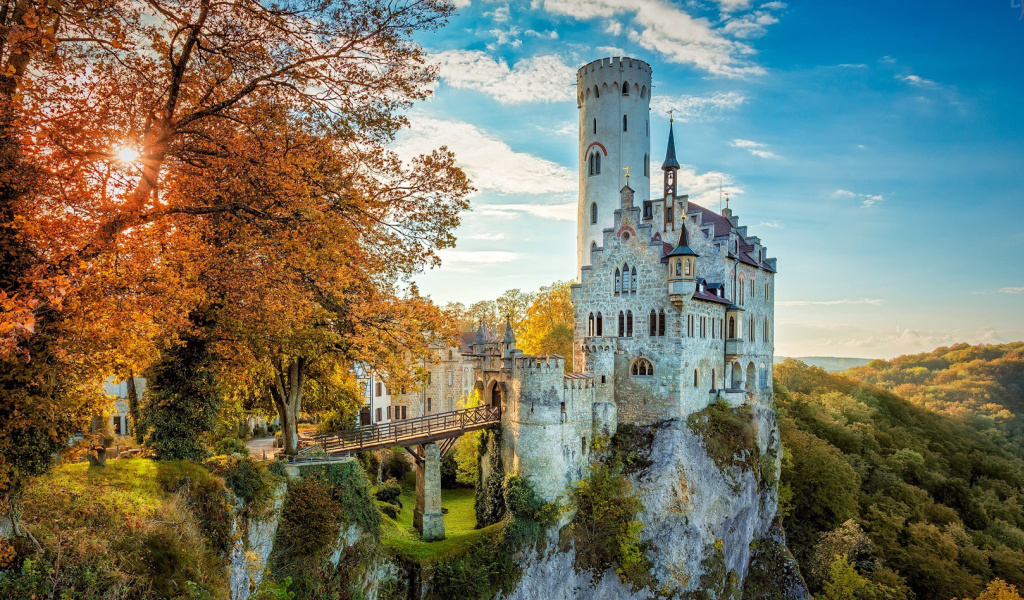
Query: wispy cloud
x=755, y=148
x=1011, y=290
x=750, y=25
x=486, y=236
x=866, y=200
x=476, y=257
x=565, y=211
x=771, y=224
x=843, y=302
x=703, y=188
x=667, y=29
x=542, y=78
x=490, y=163
x=917, y=81
x=697, y=108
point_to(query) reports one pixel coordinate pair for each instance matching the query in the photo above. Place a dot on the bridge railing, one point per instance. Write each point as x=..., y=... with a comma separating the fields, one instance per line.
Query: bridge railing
x=396, y=432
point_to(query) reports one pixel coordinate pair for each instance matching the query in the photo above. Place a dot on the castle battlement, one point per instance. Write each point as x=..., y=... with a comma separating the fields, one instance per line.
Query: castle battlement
x=547, y=363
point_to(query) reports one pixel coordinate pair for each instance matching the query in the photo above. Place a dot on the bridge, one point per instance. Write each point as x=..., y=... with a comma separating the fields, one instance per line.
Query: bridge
x=420, y=437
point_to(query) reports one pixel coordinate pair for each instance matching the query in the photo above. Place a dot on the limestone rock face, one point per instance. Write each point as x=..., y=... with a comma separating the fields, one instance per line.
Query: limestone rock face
x=711, y=530
x=250, y=552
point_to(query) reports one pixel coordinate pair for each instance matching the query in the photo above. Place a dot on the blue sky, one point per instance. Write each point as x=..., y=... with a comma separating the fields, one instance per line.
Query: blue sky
x=876, y=149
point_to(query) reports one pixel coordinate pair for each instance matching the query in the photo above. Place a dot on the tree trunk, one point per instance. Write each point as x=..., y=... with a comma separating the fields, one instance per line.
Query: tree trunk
x=97, y=456
x=133, y=407
x=286, y=390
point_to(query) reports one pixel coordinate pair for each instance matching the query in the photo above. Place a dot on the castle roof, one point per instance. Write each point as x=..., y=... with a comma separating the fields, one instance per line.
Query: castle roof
x=510, y=336
x=466, y=340
x=683, y=249
x=670, y=152
x=710, y=297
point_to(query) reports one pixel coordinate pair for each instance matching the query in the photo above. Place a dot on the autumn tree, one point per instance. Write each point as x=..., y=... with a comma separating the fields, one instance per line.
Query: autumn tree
x=512, y=306
x=548, y=327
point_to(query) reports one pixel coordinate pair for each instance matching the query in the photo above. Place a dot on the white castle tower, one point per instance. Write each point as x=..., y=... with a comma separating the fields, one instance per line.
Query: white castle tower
x=614, y=97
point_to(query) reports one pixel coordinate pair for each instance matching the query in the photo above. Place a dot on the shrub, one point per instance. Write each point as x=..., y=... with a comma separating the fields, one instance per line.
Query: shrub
x=277, y=468
x=351, y=491
x=231, y=446
x=259, y=431
x=253, y=483
x=204, y=495
x=729, y=435
x=388, y=509
x=395, y=466
x=182, y=399
x=389, y=492
x=309, y=521
x=449, y=471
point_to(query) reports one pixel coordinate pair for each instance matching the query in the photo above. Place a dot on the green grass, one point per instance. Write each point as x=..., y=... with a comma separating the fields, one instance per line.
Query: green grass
x=401, y=537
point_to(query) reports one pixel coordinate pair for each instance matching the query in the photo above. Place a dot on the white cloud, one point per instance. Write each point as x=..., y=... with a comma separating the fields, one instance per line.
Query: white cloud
x=866, y=200
x=732, y=5
x=774, y=5
x=665, y=28
x=771, y=224
x=490, y=163
x=1011, y=290
x=565, y=211
x=845, y=301
x=499, y=15
x=461, y=3
x=505, y=36
x=543, y=78
x=486, y=236
x=703, y=188
x=917, y=81
x=453, y=256
x=755, y=148
x=550, y=34
x=697, y=108
x=750, y=25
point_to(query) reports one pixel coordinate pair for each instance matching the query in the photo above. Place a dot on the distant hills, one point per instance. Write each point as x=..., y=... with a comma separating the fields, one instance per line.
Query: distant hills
x=832, y=364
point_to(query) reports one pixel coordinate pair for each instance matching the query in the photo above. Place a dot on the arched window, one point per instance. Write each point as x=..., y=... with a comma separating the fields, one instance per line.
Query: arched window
x=625, y=123
x=657, y=237
x=661, y=323
x=653, y=323
x=593, y=246
x=597, y=162
x=600, y=326
x=742, y=291
x=679, y=268
x=732, y=328
x=449, y=355
x=647, y=166
x=632, y=281
x=641, y=367
x=590, y=325
x=696, y=378
x=751, y=329
x=625, y=88
x=597, y=92
x=622, y=324
x=593, y=213
x=618, y=282
x=753, y=291
x=590, y=165
x=629, y=323
x=643, y=92
x=766, y=290
x=762, y=376
x=595, y=125
x=765, y=336
x=688, y=272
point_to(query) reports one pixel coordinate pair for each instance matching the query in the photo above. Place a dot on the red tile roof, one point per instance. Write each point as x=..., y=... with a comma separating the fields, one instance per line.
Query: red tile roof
x=466, y=341
x=709, y=297
x=722, y=225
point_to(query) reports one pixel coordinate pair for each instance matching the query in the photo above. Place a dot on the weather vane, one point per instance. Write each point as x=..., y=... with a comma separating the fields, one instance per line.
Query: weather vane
x=670, y=117
x=626, y=169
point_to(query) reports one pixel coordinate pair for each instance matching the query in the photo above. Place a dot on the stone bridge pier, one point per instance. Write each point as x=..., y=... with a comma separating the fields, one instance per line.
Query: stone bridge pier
x=427, y=516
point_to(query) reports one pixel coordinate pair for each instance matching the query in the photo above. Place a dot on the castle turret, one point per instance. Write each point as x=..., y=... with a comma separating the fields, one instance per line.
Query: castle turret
x=682, y=269
x=613, y=95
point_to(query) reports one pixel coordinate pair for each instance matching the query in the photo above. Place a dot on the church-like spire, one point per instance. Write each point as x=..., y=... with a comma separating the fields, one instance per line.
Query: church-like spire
x=671, y=165
x=670, y=153
x=482, y=335
x=510, y=336
x=683, y=248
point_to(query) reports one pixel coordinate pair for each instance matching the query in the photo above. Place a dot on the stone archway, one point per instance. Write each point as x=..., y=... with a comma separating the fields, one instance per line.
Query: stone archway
x=737, y=376
x=495, y=394
x=751, y=374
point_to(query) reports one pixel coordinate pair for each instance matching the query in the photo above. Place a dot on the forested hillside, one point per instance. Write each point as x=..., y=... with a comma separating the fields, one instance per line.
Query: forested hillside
x=885, y=499
x=983, y=385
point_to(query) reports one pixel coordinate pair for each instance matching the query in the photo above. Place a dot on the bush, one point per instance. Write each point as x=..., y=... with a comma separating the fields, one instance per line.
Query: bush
x=395, y=466
x=182, y=398
x=253, y=483
x=729, y=435
x=309, y=521
x=277, y=468
x=388, y=509
x=449, y=472
x=231, y=446
x=204, y=495
x=390, y=492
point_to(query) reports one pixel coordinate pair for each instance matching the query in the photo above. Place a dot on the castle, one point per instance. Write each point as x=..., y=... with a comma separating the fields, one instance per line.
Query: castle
x=673, y=305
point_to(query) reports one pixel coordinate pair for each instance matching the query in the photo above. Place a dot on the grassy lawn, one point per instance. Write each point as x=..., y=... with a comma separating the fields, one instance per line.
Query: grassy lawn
x=403, y=539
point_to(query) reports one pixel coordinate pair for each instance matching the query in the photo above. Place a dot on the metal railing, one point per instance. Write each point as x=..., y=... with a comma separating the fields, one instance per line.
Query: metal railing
x=408, y=431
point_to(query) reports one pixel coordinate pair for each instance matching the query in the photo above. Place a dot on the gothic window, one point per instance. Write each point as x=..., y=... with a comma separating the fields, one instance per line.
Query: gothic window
x=696, y=378
x=732, y=328
x=641, y=368
x=451, y=378
x=618, y=282
x=762, y=376
x=689, y=325
x=593, y=246
x=632, y=281
x=629, y=323
x=751, y=329
x=597, y=92
x=643, y=92
x=590, y=165
x=679, y=268
x=703, y=327
x=689, y=268
x=657, y=237
x=712, y=379
x=766, y=290
x=625, y=123
x=590, y=325
x=753, y=292
x=742, y=291
x=599, y=325
x=622, y=324
x=765, y=336
x=595, y=125
x=430, y=403
x=661, y=323
x=625, y=88
x=653, y=324
x=647, y=166
x=593, y=213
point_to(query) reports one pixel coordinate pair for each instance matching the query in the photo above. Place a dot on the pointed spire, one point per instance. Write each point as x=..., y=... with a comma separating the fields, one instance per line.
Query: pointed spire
x=670, y=153
x=482, y=335
x=683, y=248
x=510, y=336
